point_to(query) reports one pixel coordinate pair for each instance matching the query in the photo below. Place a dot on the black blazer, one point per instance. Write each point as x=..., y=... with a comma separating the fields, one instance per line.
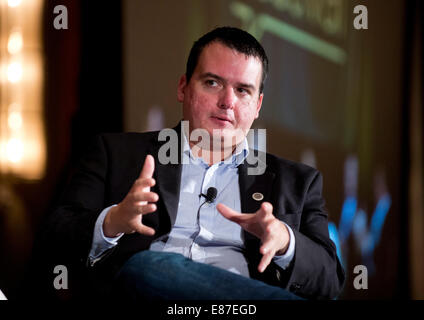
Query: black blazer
x=114, y=161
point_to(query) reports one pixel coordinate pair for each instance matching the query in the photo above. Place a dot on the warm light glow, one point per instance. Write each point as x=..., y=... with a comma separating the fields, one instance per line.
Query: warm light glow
x=14, y=72
x=13, y=3
x=15, y=120
x=15, y=43
x=14, y=150
x=22, y=136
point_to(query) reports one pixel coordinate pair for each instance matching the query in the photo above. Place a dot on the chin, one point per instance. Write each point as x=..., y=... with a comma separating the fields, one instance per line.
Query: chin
x=226, y=140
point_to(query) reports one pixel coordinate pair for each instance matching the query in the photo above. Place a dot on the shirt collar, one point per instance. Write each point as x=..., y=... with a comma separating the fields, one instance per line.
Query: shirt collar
x=239, y=155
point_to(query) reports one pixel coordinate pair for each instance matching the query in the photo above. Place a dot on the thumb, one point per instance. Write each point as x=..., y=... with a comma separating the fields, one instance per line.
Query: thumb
x=148, y=167
x=265, y=209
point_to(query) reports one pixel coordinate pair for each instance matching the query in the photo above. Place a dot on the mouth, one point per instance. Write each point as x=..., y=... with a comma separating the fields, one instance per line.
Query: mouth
x=222, y=119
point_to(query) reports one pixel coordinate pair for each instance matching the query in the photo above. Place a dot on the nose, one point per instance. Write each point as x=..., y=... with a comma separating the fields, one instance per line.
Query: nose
x=227, y=98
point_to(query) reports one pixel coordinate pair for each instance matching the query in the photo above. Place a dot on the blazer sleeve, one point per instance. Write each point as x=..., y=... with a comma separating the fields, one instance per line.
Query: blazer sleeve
x=70, y=227
x=315, y=271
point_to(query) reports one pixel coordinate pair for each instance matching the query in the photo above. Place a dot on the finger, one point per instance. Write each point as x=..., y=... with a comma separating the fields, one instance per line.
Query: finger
x=148, y=167
x=266, y=246
x=145, y=196
x=142, y=229
x=141, y=209
x=265, y=209
x=146, y=208
x=144, y=182
x=231, y=214
x=265, y=261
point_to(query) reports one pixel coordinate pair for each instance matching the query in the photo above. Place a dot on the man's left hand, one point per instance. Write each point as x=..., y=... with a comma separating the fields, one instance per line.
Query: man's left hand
x=272, y=232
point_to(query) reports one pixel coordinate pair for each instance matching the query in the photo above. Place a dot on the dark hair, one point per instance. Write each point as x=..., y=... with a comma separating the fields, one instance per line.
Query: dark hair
x=233, y=38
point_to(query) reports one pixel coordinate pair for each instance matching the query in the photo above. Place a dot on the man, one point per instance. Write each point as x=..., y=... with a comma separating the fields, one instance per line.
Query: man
x=148, y=230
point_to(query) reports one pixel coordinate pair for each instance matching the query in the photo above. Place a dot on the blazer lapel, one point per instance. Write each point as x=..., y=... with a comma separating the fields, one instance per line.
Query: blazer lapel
x=251, y=184
x=168, y=178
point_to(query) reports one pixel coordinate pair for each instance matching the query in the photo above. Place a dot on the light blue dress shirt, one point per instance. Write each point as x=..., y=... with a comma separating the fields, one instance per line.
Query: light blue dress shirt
x=200, y=232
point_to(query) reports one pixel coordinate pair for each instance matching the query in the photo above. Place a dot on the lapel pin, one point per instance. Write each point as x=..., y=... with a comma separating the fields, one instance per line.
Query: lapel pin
x=257, y=196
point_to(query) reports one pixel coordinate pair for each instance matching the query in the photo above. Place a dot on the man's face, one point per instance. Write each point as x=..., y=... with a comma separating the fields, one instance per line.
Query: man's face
x=223, y=92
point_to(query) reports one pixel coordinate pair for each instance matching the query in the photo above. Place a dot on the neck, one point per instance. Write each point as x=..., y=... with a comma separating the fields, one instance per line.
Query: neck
x=211, y=156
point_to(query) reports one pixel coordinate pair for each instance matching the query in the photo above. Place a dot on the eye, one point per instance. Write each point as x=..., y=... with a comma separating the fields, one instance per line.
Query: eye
x=211, y=83
x=243, y=91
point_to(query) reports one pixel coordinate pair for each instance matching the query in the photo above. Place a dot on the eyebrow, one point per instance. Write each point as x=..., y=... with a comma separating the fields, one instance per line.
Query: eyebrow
x=215, y=76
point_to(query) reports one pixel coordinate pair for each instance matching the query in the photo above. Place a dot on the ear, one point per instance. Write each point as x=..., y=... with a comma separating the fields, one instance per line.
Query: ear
x=259, y=105
x=181, y=88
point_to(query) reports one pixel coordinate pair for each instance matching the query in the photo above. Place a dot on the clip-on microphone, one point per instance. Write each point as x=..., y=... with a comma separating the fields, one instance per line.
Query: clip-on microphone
x=210, y=194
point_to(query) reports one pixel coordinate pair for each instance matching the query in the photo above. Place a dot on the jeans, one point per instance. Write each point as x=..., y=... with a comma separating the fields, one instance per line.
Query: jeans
x=150, y=275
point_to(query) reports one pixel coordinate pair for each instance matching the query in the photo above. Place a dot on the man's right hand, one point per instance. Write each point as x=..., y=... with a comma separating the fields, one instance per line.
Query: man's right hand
x=126, y=217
